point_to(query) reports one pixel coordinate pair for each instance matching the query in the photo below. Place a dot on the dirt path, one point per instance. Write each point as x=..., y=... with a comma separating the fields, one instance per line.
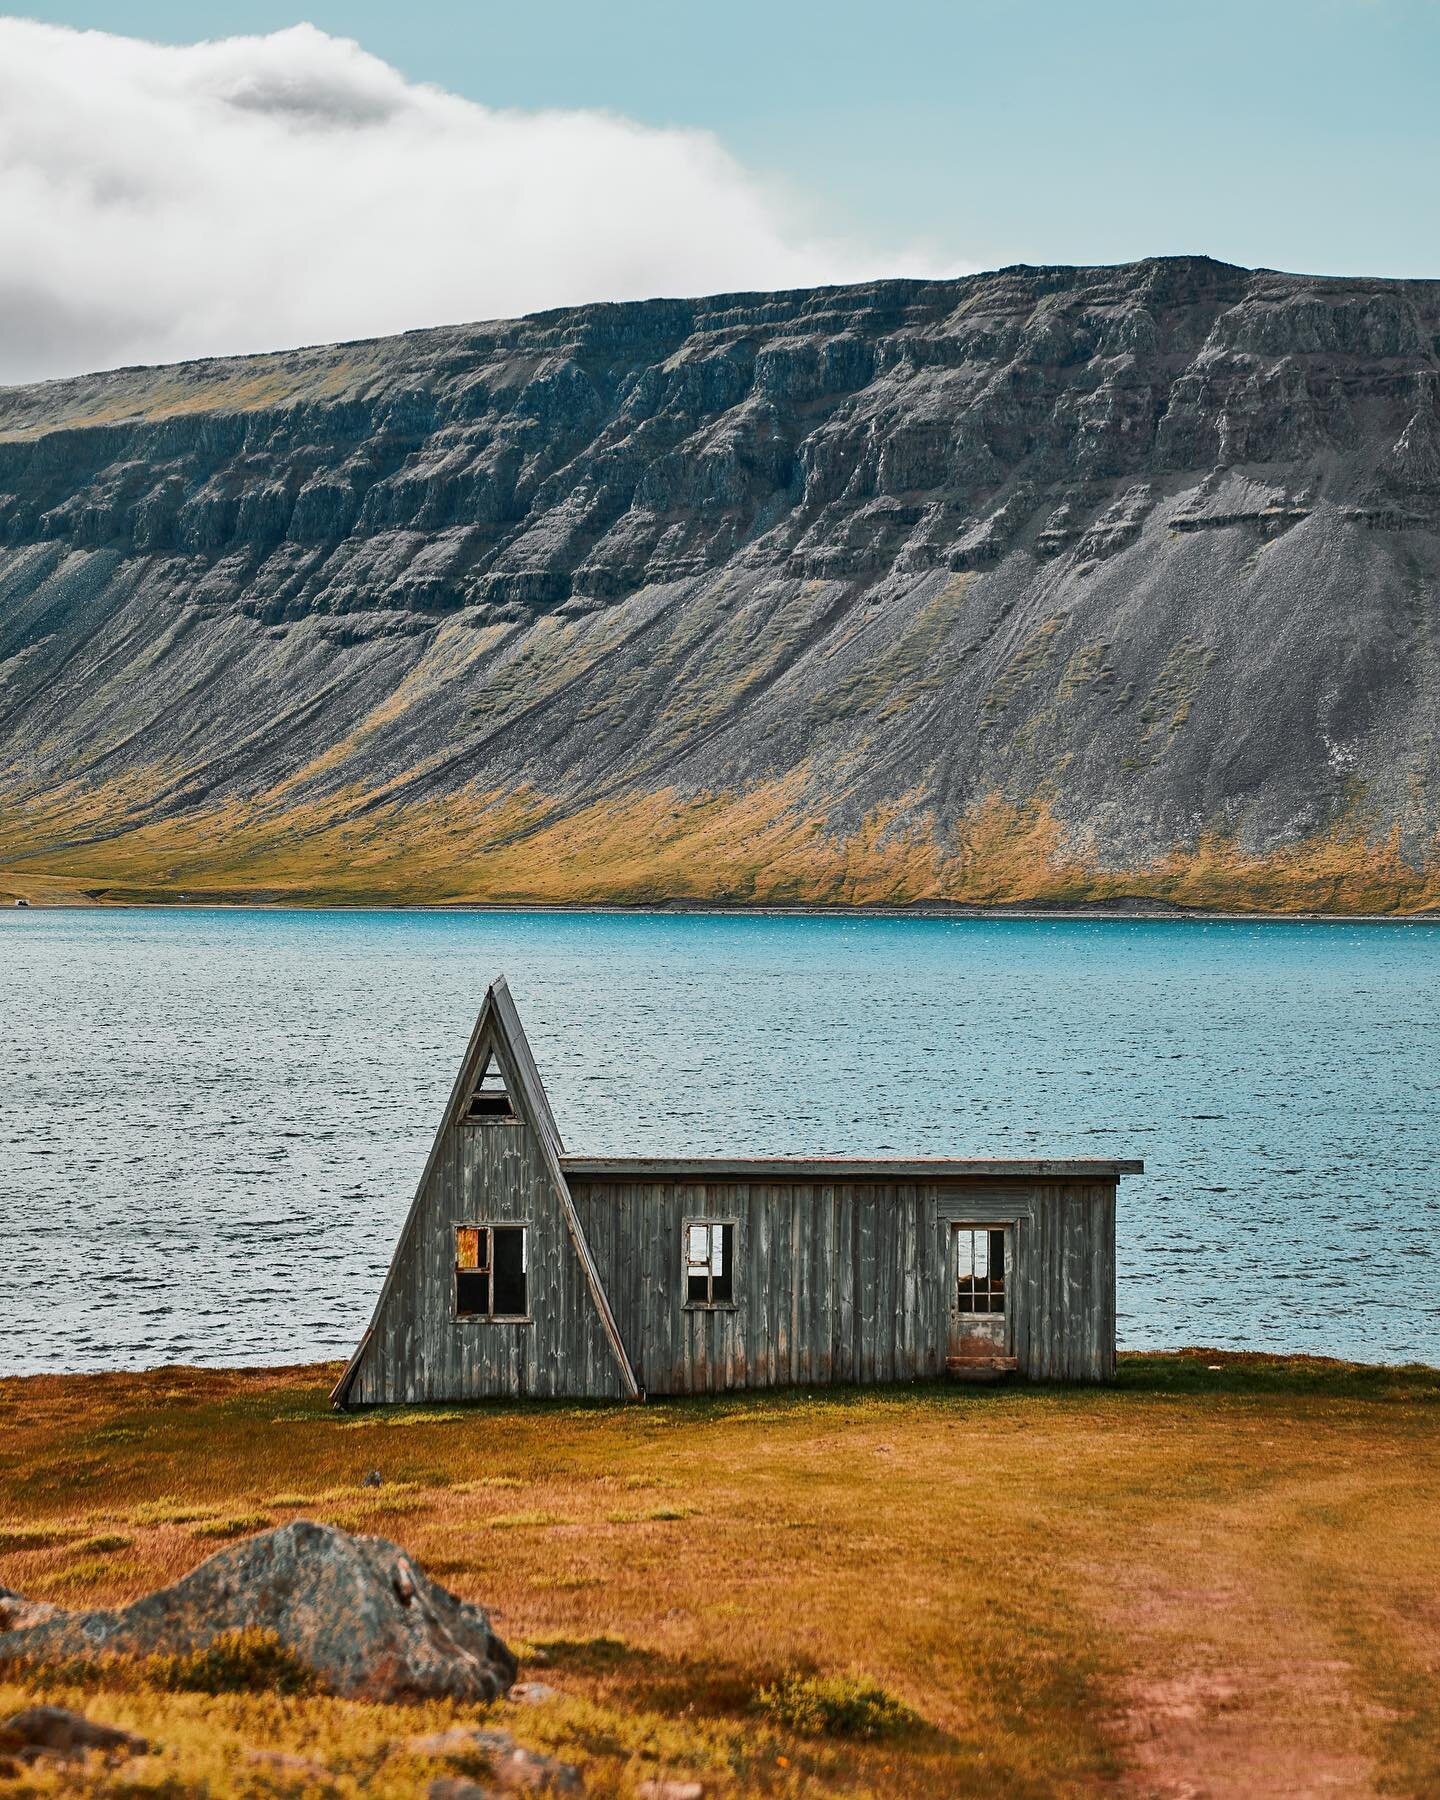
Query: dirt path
x=1246, y=1693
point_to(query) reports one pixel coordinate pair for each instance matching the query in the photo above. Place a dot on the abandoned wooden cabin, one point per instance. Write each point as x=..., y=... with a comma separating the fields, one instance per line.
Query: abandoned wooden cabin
x=522, y=1270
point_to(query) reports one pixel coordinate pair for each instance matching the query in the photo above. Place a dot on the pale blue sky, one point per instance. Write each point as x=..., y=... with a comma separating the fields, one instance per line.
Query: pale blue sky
x=1302, y=134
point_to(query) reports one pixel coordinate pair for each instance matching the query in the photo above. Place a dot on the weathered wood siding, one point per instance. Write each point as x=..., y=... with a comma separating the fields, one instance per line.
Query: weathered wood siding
x=418, y=1350
x=847, y=1280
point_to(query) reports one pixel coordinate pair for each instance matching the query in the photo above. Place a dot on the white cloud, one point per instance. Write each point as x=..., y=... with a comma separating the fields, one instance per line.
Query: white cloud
x=260, y=192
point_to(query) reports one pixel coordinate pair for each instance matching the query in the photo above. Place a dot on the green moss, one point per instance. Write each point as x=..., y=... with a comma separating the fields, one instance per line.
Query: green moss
x=839, y=1706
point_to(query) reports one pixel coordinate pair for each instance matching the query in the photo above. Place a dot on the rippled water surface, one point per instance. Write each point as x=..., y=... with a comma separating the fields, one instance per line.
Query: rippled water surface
x=211, y=1122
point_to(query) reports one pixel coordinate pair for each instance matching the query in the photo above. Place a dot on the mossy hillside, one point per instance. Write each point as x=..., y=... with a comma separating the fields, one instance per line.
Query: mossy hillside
x=759, y=848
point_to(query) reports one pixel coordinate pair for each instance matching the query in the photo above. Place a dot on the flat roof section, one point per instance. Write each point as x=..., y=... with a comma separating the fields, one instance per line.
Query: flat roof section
x=848, y=1168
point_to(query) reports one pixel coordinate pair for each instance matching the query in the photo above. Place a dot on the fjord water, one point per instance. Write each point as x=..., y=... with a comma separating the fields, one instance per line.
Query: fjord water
x=211, y=1122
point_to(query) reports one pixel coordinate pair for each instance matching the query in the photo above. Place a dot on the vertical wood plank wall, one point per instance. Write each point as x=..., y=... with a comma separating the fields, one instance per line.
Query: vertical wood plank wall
x=418, y=1350
x=847, y=1280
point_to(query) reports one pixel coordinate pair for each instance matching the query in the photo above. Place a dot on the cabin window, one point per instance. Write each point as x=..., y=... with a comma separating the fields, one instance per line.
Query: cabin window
x=710, y=1262
x=979, y=1269
x=491, y=1272
x=489, y=1102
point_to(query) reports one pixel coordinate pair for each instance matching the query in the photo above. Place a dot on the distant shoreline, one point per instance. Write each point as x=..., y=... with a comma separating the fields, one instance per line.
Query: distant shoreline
x=1149, y=912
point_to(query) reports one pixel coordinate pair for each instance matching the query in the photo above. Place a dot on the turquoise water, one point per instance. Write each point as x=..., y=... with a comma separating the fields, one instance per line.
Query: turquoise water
x=211, y=1122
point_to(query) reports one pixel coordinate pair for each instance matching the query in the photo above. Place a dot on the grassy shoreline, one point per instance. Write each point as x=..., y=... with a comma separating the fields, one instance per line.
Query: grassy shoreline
x=1221, y=1569
x=920, y=909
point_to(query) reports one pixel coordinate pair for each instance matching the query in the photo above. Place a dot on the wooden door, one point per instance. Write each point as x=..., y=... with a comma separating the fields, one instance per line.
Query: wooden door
x=981, y=1329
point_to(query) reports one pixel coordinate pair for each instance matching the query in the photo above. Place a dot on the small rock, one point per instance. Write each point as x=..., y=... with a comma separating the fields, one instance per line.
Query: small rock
x=372, y=1478
x=529, y=1771
x=55, y=1731
x=513, y=1769
x=457, y=1787
x=532, y=1693
x=669, y=1790
x=464, y=1740
x=286, y=1762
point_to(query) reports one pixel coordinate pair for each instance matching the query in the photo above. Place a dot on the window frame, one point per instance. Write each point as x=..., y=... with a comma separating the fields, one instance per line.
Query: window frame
x=992, y=1229
x=489, y=1120
x=490, y=1316
x=728, y=1221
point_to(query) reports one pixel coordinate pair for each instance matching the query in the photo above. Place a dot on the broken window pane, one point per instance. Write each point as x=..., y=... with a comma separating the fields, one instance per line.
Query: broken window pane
x=491, y=1272
x=472, y=1293
x=709, y=1262
x=722, y=1281
x=510, y=1276
x=490, y=1097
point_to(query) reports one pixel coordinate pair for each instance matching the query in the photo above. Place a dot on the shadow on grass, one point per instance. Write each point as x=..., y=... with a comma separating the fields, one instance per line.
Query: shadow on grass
x=1196, y=1372
x=705, y=1686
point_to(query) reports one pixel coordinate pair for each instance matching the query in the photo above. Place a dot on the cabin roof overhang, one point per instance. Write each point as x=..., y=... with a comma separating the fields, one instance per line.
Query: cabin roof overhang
x=846, y=1168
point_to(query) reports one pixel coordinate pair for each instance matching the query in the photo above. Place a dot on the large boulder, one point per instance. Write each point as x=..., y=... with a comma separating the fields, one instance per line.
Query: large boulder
x=354, y=1611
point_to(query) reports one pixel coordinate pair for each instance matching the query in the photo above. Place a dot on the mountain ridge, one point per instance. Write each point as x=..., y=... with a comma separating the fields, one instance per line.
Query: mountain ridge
x=1042, y=586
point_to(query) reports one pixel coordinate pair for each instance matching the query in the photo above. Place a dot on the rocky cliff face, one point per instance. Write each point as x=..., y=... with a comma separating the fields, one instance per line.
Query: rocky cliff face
x=1050, y=584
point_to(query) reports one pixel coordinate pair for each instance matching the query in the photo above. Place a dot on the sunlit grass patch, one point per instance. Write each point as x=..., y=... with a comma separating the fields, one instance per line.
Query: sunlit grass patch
x=567, y=1582
x=359, y=1492
x=168, y=1510
x=392, y=1506
x=407, y=1419
x=511, y=1521
x=650, y=1514
x=16, y=1538
x=237, y=1525
x=101, y=1544
x=73, y=1582
x=638, y=1743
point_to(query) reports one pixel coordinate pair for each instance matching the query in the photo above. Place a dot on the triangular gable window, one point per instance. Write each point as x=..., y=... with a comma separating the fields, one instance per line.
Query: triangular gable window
x=489, y=1101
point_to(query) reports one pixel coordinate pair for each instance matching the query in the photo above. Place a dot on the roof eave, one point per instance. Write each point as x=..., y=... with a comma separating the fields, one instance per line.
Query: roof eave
x=839, y=1168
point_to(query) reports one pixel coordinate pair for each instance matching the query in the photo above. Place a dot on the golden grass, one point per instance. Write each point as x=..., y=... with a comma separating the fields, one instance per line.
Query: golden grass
x=1227, y=1575
x=763, y=847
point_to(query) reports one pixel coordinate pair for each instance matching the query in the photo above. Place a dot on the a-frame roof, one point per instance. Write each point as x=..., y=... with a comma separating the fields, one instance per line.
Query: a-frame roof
x=512, y=1035
x=499, y=1022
